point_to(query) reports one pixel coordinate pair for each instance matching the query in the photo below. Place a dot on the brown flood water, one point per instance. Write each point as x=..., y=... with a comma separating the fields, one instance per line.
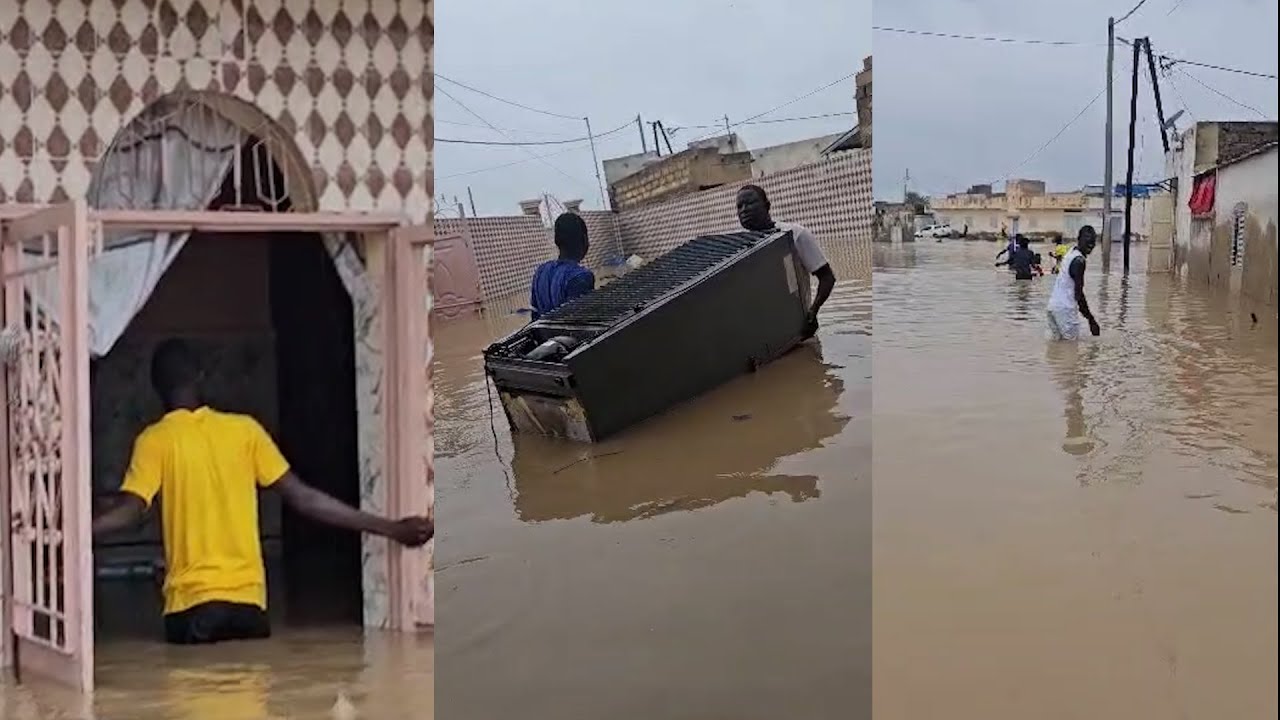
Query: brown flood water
x=325, y=674
x=1073, y=531
x=712, y=562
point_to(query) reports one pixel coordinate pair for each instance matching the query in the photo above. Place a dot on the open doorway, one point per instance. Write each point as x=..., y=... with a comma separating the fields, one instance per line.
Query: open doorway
x=274, y=325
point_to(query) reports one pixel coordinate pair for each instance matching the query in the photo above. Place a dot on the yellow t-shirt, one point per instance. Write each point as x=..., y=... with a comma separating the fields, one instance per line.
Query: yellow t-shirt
x=207, y=466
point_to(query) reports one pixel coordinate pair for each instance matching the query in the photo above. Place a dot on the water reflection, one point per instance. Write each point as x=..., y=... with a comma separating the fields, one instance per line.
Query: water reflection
x=712, y=561
x=1107, y=498
x=719, y=447
x=335, y=673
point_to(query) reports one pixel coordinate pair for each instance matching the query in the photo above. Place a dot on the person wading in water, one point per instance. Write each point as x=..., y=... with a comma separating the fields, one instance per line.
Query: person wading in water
x=1024, y=263
x=1066, y=301
x=753, y=214
x=208, y=466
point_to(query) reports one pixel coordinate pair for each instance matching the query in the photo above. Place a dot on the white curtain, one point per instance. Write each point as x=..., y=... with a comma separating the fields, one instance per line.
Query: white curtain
x=168, y=159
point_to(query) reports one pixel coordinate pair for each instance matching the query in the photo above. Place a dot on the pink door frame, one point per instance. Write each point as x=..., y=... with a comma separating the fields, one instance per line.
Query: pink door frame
x=455, y=276
x=401, y=277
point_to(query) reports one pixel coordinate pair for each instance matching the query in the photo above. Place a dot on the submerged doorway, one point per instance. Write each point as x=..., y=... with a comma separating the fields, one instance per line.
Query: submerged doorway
x=274, y=327
x=279, y=301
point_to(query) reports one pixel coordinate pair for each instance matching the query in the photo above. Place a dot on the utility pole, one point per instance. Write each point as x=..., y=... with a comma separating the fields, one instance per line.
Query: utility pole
x=1133, y=123
x=644, y=146
x=728, y=131
x=1108, y=181
x=604, y=205
x=656, y=147
x=666, y=139
x=1155, y=89
x=472, y=199
x=906, y=178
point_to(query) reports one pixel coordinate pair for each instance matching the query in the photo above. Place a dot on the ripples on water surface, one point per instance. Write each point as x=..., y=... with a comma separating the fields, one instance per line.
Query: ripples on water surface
x=693, y=567
x=1069, y=531
x=321, y=674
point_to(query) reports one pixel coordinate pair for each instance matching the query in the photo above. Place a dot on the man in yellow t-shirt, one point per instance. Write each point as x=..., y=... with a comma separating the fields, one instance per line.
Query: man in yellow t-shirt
x=208, y=466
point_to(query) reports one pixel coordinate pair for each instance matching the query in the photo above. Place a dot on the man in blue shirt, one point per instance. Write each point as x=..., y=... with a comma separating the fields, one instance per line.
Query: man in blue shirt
x=558, y=281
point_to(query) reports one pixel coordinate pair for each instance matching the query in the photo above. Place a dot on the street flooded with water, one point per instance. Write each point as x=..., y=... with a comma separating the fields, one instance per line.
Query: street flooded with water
x=713, y=561
x=320, y=674
x=1069, y=531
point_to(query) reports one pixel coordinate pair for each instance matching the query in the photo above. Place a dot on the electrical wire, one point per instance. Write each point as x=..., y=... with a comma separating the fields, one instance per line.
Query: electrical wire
x=1059, y=134
x=984, y=38
x=513, y=163
x=513, y=103
x=776, y=108
x=511, y=143
x=1131, y=12
x=1070, y=43
x=479, y=117
x=1219, y=93
x=674, y=128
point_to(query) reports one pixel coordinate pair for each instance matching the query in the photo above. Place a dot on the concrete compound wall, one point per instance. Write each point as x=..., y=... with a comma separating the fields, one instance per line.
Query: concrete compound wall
x=832, y=198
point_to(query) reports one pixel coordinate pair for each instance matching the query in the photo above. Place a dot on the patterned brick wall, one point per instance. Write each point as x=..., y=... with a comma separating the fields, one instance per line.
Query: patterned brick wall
x=832, y=198
x=509, y=247
x=348, y=81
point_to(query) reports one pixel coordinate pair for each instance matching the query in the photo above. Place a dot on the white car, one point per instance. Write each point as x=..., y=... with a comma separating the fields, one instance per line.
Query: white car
x=934, y=231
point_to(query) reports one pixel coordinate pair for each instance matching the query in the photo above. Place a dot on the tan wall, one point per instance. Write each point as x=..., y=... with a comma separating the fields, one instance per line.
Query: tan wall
x=353, y=95
x=682, y=173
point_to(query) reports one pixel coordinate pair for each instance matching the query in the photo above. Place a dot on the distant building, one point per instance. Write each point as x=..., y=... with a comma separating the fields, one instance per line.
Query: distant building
x=862, y=100
x=1224, y=212
x=1027, y=207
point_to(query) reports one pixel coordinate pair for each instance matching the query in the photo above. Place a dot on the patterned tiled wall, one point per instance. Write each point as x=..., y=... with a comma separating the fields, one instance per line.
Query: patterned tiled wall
x=346, y=80
x=832, y=198
x=509, y=247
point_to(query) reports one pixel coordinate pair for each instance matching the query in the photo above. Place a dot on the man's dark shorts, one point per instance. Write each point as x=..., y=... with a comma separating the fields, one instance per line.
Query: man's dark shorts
x=216, y=621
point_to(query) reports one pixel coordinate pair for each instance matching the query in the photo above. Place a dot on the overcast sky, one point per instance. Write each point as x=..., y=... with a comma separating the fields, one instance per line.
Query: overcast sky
x=682, y=62
x=960, y=112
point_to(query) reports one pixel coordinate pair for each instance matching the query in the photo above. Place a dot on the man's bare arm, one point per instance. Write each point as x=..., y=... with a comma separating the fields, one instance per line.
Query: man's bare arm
x=826, y=281
x=324, y=508
x=127, y=511
x=1077, y=274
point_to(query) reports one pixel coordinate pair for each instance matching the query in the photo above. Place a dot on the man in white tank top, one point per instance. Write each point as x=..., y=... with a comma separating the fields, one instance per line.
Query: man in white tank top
x=1066, y=300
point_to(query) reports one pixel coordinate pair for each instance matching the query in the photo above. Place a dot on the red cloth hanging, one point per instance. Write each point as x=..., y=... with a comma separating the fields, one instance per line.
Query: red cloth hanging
x=1202, y=192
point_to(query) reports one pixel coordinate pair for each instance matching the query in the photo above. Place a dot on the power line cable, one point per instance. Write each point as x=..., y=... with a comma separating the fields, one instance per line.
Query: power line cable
x=513, y=103
x=1131, y=12
x=984, y=38
x=508, y=137
x=529, y=143
x=776, y=108
x=1221, y=94
x=503, y=166
x=1070, y=43
x=675, y=128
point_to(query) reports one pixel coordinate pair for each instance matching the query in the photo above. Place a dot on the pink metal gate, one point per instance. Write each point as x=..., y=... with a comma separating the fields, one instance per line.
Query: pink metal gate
x=455, y=277
x=44, y=347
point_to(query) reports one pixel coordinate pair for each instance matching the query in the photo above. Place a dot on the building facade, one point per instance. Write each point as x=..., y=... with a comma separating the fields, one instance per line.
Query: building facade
x=1224, y=209
x=1027, y=207
x=334, y=95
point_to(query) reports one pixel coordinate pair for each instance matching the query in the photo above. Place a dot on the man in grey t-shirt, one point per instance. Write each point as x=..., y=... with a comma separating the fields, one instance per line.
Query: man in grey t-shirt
x=753, y=214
